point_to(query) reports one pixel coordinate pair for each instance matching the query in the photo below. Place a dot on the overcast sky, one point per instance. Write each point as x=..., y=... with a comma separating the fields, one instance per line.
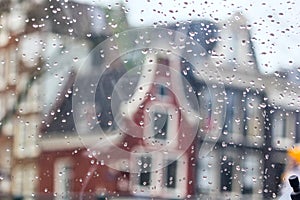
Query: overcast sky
x=275, y=24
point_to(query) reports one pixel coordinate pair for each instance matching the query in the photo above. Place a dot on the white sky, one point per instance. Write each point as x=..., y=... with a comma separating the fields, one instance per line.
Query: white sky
x=266, y=17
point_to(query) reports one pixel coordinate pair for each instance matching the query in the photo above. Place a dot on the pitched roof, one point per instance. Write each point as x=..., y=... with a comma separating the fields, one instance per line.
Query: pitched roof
x=60, y=118
x=148, y=77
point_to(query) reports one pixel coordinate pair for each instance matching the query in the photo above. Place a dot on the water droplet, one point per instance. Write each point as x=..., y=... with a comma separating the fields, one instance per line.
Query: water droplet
x=145, y=51
x=139, y=162
x=114, y=25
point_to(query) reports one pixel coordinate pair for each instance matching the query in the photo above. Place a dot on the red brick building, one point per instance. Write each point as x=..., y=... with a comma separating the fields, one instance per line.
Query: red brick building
x=151, y=153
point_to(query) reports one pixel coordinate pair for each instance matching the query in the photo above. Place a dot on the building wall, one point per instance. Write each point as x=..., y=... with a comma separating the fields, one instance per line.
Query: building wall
x=86, y=175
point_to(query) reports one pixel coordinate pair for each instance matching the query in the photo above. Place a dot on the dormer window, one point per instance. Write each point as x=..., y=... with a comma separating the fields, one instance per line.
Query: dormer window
x=162, y=90
x=163, y=61
x=160, y=125
x=163, y=125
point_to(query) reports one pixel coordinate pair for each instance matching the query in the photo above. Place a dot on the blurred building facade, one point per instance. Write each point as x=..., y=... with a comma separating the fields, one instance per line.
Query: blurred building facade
x=283, y=124
x=257, y=120
x=20, y=112
x=28, y=28
x=238, y=165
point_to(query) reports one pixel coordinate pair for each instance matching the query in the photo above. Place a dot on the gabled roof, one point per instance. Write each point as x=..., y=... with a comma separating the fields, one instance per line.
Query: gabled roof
x=234, y=49
x=60, y=119
x=146, y=82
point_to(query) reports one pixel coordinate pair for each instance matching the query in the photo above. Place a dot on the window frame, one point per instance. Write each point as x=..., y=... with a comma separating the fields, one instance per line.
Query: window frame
x=135, y=187
x=286, y=121
x=238, y=112
x=254, y=118
x=156, y=188
x=207, y=173
x=181, y=176
x=172, y=130
x=59, y=165
x=251, y=174
x=25, y=140
x=24, y=179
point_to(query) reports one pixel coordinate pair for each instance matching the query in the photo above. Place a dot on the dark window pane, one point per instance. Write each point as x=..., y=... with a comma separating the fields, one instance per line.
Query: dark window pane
x=247, y=190
x=162, y=90
x=145, y=175
x=234, y=119
x=228, y=126
x=226, y=176
x=171, y=175
x=160, y=125
x=163, y=61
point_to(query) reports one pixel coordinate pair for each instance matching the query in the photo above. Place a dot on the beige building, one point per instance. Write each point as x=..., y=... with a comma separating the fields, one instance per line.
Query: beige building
x=19, y=101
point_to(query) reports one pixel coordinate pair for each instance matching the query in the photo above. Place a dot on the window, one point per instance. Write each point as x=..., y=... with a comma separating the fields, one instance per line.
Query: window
x=283, y=128
x=31, y=103
x=33, y=95
x=226, y=175
x=212, y=111
x=254, y=127
x=159, y=174
x=145, y=170
x=143, y=179
x=234, y=119
x=250, y=174
x=205, y=102
x=206, y=173
x=163, y=93
x=171, y=174
x=25, y=140
x=162, y=90
x=163, y=61
x=24, y=181
x=160, y=125
x=174, y=175
x=162, y=128
x=163, y=74
x=5, y=168
x=22, y=84
x=63, y=179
